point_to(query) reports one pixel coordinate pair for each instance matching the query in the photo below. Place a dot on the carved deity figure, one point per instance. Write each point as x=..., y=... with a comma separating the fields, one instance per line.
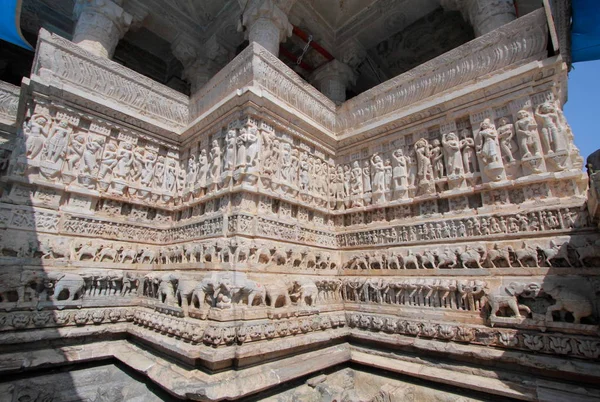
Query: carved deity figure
x=57, y=141
x=295, y=165
x=437, y=159
x=323, y=178
x=241, y=147
x=489, y=143
x=366, y=177
x=506, y=133
x=215, y=162
x=424, y=167
x=526, y=128
x=124, y=161
x=388, y=174
x=304, y=172
x=356, y=179
x=338, y=183
x=109, y=161
x=203, y=169
x=75, y=151
x=454, y=160
x=467, y=145
x=170, y=175
x=399, y=170
x=192, y=171
x=159, y=172
x=378, y=184
x=148, y=170
x=252, y=147
x=90, y=155
x=138, y=163
x=286, y=163
x=229, y=160
x=553, y=128
x=347, y=179
x=36, y=132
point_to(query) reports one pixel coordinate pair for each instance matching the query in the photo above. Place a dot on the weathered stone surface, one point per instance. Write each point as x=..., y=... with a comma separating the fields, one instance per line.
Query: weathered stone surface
x=257, y=233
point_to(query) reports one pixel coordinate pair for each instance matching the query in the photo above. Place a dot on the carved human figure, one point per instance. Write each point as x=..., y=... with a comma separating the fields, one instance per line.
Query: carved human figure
x=203, y=169
x=311, y=174
x=148, y=170
x=57, y=141
x=553, y=130
x=526, y=128
x=454, y=160
x=90, y=155
x=316, y=175
x=304, y=174
x=241, y=139
x=36, y=132
x=356, y=179
x=159, y=172
x=75, y=151
x=286, y=163
x=124, y=161
x=294, y=166
x=229, y=160
x=467, y=145
x=273, y=161
x=252, y=147
x=378, y=184
x=109, y=161
x=367, y=177
x=138, y=163
x=192, y=171
x=424, y=167
x=338, y=184
x=399, y=170
x=170, y=175
x=215, y=162
x=347, y=179
x=488, y=149
x=388, y=174
x=437, y=159
x=506, y=133
x=181, y=177
x=324, y=177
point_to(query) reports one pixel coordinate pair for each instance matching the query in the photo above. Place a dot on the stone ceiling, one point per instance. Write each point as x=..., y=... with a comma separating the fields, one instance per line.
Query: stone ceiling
x=376, y=27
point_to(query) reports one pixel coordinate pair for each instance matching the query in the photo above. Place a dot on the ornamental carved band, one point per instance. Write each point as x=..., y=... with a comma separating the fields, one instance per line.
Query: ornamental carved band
x=446, y=205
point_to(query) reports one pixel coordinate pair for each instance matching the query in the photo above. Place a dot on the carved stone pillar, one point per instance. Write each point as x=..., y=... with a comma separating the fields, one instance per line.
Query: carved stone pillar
x=266, y=22
x=332, y=80
x=100, y=25
x=200, y=62
x=484, y=15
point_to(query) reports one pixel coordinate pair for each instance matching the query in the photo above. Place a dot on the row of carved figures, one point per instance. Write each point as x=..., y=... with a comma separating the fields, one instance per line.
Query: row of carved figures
x=473, y=295
x=217, y=251
x=480, y=256
x=221, y=290
x=429, y=292
x=246, y=153
x=567, y=218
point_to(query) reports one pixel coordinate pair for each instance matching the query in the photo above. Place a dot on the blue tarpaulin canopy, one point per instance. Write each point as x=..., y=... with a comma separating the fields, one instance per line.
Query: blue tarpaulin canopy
x=10, y=21
x=585, y=31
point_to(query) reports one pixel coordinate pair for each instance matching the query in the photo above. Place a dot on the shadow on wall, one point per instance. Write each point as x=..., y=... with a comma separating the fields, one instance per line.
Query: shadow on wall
x=51, y=308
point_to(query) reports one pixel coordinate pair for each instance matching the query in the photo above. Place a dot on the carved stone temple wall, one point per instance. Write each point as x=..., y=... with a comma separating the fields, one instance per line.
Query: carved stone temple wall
x=435, y=227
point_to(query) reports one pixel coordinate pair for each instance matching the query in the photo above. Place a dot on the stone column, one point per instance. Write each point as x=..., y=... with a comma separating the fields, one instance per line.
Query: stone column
x=266, y=22
x=484, y=15
x=100, y=25
x=332, y=80
x=200, y=62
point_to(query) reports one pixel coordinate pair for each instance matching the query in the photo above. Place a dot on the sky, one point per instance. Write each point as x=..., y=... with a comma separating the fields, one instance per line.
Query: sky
x=582, y=108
